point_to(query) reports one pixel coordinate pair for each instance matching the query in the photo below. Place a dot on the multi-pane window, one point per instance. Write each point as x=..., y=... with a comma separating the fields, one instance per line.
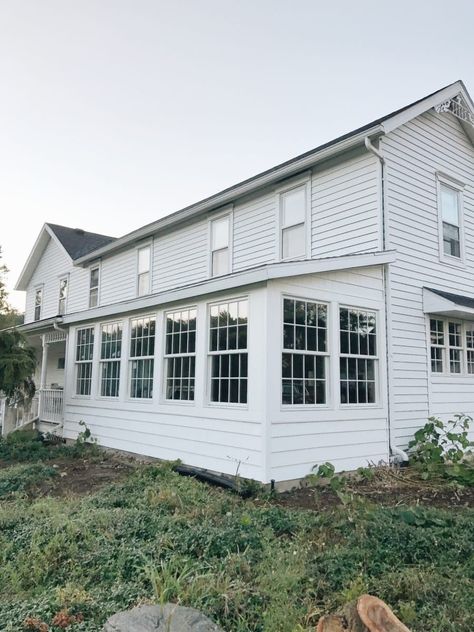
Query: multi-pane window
x=110, y=352
x=143, y=281
x=94, y=274
x=228, y=352
x=180, y=354
x=62, y=296
x=38, y=302
x=305, y=351
x=84, y=357
x=142, y=352
x=358, y=340
x=470, y=347
x=455, y=347
x=437, y=345
x=220, y=253
x=450, y=216
x=292, y=221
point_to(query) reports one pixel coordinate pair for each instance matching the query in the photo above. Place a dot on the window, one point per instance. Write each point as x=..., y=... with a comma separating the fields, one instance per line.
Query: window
x=142, y=351
x=62, y=296
x=455, y=347
x=292, y=222
x=143, y=283
x=470, y=348
x=220, y=253
x=437, y=345
x=110, y=352
x=228, y=352
x=84, y=356
x=61, y=363
x=305, y=351
x=357, y=356
x=38, y=302
x=180, y=354
x=449, y=200
x=94, y=286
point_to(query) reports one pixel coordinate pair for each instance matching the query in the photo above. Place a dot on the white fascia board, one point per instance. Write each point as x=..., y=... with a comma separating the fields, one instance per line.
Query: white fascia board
x=243, y=279
x=228, y=196
x=38, y=248
x=435, y=304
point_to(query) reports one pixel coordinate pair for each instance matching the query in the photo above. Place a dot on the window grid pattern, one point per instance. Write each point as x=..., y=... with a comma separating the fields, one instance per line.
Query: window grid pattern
x=455, y=347
x=437, y=345
x=305, y=326
x=142, y=351
x=180, y=349
x=38, y=303
x=470, y=348
x=94, y=287
x=228, y=352
x=452, y=347
x=62, y=296
x=110, y=353
x=84, y=357
x=358, y=351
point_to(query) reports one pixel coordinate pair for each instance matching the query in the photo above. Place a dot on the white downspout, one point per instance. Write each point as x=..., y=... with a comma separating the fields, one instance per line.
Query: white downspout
x=397, y=454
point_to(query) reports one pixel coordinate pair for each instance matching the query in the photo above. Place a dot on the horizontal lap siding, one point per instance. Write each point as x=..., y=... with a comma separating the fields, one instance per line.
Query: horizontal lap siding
x=347, y=437
x=254, y=232
x=118, y=277
x=414, y=153
x=345, y=207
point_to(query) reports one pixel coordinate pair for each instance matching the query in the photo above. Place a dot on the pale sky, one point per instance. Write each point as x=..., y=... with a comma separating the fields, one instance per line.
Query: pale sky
x=114, y=113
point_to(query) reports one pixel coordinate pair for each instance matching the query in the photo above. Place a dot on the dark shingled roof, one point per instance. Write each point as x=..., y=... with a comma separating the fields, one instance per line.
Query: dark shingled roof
x=78, y=242
x=465, y=301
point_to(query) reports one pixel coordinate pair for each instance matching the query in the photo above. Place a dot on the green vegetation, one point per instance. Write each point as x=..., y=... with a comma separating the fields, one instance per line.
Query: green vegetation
x=248, y=564
x=29, y=445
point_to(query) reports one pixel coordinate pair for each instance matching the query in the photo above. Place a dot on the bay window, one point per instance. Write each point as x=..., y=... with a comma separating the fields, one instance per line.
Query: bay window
x=228, y=352
x=83, y=360
x=142, y=357
x=180, y=355
x=305, y=352
x=451, y=346
x=110, y=353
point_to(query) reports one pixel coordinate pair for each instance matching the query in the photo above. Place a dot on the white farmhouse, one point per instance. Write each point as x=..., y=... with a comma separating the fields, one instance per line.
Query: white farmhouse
x=319, y=311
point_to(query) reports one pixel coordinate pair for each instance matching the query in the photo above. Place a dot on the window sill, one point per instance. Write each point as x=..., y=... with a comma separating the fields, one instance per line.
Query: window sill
x=453, y=262
x=227, y=406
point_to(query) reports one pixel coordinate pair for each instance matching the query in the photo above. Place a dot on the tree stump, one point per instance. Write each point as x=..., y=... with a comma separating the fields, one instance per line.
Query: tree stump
x=368, y=614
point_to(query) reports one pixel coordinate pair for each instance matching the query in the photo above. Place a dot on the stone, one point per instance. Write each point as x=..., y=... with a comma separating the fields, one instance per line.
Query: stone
x=167, y=618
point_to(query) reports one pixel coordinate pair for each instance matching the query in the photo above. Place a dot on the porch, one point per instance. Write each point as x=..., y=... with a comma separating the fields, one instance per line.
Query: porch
x=45, y=410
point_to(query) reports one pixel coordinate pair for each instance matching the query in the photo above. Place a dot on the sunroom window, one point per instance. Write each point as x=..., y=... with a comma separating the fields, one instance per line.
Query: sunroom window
x=110, y=353
x=293, y=223
x=358, y=340
x=470, y=347
x=451, y=221
x=83, y=360
x=180, y=354
x=437, y=345
x=455, y=347
x=305, y=351
x=142, y=357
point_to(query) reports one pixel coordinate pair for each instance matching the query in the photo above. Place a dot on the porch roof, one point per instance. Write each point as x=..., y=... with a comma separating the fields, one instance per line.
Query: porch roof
x=447, y=304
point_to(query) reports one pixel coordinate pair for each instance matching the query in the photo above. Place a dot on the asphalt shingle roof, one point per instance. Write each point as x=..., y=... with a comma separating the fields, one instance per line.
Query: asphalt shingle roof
x=78, y=242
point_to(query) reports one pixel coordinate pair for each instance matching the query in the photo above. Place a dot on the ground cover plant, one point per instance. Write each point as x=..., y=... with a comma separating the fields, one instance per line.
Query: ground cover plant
x=260, y=564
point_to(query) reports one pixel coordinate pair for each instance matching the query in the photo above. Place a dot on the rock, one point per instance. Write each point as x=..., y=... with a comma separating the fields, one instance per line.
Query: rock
x=167, y=618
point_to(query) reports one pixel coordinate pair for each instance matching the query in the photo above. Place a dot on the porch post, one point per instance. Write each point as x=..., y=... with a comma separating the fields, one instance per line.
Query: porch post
x=44, y=369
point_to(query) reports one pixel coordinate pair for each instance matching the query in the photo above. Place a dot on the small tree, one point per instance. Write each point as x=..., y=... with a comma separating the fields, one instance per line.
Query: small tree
x=17, y=358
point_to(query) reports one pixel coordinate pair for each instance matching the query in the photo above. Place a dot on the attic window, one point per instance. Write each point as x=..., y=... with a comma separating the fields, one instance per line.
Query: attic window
x=94, y=286
x=38, y=302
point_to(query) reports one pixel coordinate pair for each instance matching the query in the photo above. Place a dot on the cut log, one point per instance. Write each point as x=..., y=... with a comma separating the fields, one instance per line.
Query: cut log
x=377, y=616
x=331, y=623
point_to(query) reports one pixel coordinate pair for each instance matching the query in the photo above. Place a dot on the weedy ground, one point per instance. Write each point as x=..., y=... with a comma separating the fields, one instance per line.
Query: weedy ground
x=69, y=558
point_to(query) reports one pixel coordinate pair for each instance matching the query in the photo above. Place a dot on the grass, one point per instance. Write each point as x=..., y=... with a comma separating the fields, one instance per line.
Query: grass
x=248, y=564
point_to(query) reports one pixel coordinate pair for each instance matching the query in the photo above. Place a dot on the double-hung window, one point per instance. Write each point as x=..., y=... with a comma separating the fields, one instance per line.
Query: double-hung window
x=180, y=354
x=142, y=357
x=84, y=357
x=228, y=352
x=437, y=345
x=144, y=262
x=470, y=348
x=62, y=295
x=110, y=353
x=293, y=223
x=38, y=302
x=305, y=352
x=220, y=250
x=451, y=346
x=455, y=347
x=94, y=276
x=358, y=356
x=450, y=211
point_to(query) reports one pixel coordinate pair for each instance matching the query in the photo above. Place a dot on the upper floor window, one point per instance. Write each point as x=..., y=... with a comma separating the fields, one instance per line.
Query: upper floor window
x=63, y=283
x=94, y=276
x=450, y=210
x=358, y=353
x=38, y=302
x=142, y=357
x=220, y=250
x=144, y=264
x=293, y=223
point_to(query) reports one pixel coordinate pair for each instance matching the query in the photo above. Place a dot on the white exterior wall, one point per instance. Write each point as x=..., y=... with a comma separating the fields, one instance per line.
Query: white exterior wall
x=348, y=436
x=205, y=435
x=414, y=153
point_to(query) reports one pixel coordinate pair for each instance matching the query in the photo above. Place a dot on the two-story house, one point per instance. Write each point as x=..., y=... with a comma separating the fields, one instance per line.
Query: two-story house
x=319, y=311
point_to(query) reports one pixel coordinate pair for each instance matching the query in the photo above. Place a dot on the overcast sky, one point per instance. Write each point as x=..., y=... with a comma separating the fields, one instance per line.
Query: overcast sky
x=114, y=113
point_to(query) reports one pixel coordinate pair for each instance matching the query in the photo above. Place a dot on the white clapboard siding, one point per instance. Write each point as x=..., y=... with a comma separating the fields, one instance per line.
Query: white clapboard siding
x=118, y=277
x=254, y=233
x=345, y=207
x=414, y=153
x=348, y=437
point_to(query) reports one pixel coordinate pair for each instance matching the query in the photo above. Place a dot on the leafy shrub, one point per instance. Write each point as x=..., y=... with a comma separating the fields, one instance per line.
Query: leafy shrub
x=439, y=442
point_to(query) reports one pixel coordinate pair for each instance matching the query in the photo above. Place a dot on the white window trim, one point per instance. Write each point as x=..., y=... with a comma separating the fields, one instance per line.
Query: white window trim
x=138, y=247
x=36, y=289
x=93, y=362
x=296, y=183
x=98, y=266
x=446, y=373
x=63, y=277
x=129, y=359
x=117, y=397
x=165, y=356
x=329, y=354
x=209, y=354
x=228, y=211
x=453, y=183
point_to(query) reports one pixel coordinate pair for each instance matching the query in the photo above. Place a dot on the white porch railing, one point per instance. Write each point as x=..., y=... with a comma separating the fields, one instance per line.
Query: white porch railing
x=14, y=417
x=51, y=404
